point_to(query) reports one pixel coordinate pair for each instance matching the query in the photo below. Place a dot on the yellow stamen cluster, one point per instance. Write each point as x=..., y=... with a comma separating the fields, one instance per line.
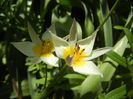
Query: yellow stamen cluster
x=74, y=55
x=44, y=49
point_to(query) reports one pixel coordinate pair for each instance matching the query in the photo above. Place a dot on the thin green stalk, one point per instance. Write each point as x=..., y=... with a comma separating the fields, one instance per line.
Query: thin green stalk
x=45, y=84
x=31, y=85
x=110, y=12
x=57, y=78
x=19, y=84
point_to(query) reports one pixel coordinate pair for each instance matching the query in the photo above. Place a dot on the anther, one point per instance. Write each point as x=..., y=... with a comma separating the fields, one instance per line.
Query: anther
x=82, y=51
x=77, y=48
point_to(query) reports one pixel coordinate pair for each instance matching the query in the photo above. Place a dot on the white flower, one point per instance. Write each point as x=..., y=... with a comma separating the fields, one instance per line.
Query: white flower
x=39, y=50
x=78, y=54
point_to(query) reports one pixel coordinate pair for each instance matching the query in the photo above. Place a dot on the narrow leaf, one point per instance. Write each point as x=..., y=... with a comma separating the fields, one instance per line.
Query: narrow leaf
x=117, y=58
x=109, y=66
x=107, y=27
x=74, y=76
x=88, y=23
x=128, y=34
x=117, y=93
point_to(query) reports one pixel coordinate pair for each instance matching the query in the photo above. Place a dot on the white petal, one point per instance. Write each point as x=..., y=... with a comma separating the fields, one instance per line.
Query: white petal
x=46, y=35
x=52, y=29
x=59, y=51
x=36, y=60
x=24, y=47
x=98, y=52
x=66, y=37
x=59, y=44
x=73, y=31
x=58, y=41
x=88, y=69
x=34, y=37
x=88, y=43
x=50, y=60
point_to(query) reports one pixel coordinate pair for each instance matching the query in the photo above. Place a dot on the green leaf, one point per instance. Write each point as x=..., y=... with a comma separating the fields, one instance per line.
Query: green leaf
x=40, y=81
x=88, y=24
x=90, y=84
x=65, y=2
x=74, y=76
x=32, y=68
x=89, y=27
x=109, y=66
x=117, y=93
x=44, y=8
x=129, y=37
x=32, y=85
x=117, y=58
x=107, y=27
x=70, y=3
x=128, y=34
x=24, y=89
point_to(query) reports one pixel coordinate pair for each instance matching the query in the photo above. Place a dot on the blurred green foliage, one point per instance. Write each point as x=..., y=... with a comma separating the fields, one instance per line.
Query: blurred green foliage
x=19, y=79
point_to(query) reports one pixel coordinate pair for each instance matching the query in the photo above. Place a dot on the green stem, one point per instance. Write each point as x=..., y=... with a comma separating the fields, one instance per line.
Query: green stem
x=56, y=79
x=110, y=12
x=18, y=85
x=45, y=84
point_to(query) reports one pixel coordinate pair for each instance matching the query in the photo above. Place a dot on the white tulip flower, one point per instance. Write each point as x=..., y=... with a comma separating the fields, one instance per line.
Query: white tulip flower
x=78, y=54
x=40, y=50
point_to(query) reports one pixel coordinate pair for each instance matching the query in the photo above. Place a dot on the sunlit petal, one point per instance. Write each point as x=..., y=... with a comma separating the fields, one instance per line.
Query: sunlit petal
x=59, y=51
x=88, y=69
x=98, y=52
x=36, y=60
x=52, y=28
x=46, y=35
x=24, y=47
x=73, y=31
x=34, y=37
x=59, y=44
x=88, y=43
x=50, y=60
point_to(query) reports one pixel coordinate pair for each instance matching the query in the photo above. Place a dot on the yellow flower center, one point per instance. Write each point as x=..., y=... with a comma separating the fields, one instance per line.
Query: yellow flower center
x=45, y=49
x=74, y=55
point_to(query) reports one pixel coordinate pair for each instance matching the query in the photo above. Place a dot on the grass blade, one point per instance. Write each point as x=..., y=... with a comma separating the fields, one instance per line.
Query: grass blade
x=107, y=27
x=128, y=35
x=117, y=93
x=117, y=58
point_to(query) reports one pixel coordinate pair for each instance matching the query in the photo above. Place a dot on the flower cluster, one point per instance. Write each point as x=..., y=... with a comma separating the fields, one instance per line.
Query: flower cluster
x=77, y=54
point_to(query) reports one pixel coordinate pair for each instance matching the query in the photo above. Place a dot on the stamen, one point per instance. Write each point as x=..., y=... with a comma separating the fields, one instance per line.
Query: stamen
x=74, y=55
x=82, y=51
x=43, y=42
x=46, y=47
x=77, y=48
